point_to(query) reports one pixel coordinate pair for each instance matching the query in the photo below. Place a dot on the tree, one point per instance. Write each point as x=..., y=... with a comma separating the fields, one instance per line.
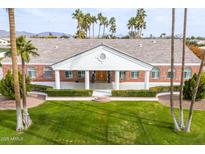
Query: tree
x=140, y=21
x=93, y=21
x=194, y=93
x=131, y=25
x=19, y=126
x=25, y=49
x=7, y=85
x=105, y=24
x=172, y=73
x=100, y=19
x=181, y=117
x=112, y=23
x=78, y=15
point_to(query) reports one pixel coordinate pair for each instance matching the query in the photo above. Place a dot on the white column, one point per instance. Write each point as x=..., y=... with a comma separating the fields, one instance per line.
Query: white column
x=146, y=79
x=57, y=79
x=87, y=79
x=117, y=80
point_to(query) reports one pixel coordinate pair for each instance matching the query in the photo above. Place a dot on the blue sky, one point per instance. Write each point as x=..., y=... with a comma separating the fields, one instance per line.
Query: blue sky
x=60, y=20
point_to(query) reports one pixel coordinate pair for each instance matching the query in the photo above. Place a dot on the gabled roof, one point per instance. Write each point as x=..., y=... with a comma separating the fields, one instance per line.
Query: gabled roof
x=147, y=50
x=91, y=60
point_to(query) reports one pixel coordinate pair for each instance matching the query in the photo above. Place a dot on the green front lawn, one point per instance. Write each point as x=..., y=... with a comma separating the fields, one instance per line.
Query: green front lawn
x=86, y=122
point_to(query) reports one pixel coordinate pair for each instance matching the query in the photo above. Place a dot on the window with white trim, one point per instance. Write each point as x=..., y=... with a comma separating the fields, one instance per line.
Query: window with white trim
x=134, y=74
x=68, y=74
x=32, y=72
x=81, y=74
x=47, y=72
x=187, y=73
x=169, y=74
x=155, y=73
x=122, y=75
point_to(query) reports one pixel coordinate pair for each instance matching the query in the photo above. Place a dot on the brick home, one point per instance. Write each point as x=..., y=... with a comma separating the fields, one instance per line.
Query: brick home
x=106, y=63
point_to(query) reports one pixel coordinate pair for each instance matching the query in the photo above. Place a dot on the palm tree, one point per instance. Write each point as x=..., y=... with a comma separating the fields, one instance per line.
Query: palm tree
x=25, y=49
x=19, y=126
x=140, y=21
x=100, y=19
x=78, y=14
x=188, y=124
x=181, y=117
x=131, y=25
x=88, y=22
x=105, y=24
x=93, y=21
x=172, y=73
x=113, y=26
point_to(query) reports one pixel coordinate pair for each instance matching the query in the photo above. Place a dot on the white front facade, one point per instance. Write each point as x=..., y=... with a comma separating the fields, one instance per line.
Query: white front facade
x=102, y=58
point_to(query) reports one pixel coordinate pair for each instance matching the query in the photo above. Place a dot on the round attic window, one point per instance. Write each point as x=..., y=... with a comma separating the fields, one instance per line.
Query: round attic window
x=102, y=56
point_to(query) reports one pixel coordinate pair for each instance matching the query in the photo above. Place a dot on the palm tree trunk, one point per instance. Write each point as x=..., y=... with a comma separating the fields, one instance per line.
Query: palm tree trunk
x=89, y=31
x=99, y=31
x=93, y=30
x=26, y=118
x=19, y=126
x=181, y=117
x=103, y=31
x=172, y=77
x=188, y=124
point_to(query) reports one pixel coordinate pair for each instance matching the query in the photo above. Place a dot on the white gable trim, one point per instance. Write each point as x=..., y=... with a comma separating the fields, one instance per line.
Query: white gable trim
x=91, y=60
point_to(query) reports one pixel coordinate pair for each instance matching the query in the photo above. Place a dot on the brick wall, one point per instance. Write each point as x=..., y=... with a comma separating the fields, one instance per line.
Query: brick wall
x=163, y=74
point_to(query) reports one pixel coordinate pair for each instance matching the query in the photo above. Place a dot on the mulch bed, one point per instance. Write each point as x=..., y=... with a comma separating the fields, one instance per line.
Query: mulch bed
x=32, y=101
x=165, y=100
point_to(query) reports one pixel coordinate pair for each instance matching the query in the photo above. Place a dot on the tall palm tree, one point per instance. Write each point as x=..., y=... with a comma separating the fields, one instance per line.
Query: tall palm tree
x=78, y=14
x=93, y=21
x=140, y=21
x=11, y=14
x=188, y=124
x=113, y=26
x=100, y=19
x=181, y=117
x=131, y=25
x=25, y=49
x=105, y=25
x=172, y=73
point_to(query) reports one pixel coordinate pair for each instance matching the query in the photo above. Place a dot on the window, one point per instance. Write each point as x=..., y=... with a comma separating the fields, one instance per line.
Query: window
x=81, y=74
x=155, y=73
x=32, y=72
x=47, y=72
x=68, y=74
x=187, y=73
x=169, y=74
x=122, y=75
x=134, y=74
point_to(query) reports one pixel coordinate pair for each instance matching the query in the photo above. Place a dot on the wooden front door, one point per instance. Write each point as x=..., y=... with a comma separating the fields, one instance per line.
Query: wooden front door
x=101, y=76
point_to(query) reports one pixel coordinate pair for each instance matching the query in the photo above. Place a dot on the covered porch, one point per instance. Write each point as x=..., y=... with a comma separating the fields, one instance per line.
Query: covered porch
x=97, y=63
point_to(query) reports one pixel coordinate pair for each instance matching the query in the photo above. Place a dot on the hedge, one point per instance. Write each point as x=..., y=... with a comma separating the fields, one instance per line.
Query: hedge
x=163, y=88
x=40, y=88
x=133, y=93
x=68, y=92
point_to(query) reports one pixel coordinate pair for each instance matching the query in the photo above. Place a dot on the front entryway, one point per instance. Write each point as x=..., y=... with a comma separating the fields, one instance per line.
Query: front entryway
x=101, y=76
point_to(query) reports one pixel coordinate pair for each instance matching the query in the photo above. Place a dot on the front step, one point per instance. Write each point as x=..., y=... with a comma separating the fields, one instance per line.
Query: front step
x=102, y=99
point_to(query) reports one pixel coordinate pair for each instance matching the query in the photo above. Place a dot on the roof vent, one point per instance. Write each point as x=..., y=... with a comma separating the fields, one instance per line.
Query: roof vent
x=140, y=45
x=56, y=47
x=154, y=41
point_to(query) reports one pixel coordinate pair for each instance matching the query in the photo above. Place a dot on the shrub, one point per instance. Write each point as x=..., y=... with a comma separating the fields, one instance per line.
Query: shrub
x=7, y=85
x=40, y=88
x=163, y=88
x=68, y=92
x=189, y=86
x=133, y=93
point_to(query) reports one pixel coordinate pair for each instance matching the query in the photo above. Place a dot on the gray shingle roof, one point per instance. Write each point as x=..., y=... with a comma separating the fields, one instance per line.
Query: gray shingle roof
x=147, y=50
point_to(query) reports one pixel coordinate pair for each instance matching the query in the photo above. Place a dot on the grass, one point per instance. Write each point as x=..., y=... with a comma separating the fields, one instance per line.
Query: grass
x=86, y=122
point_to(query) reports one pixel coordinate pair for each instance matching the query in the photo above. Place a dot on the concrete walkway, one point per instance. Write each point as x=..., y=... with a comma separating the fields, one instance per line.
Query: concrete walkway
x=102, y=92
